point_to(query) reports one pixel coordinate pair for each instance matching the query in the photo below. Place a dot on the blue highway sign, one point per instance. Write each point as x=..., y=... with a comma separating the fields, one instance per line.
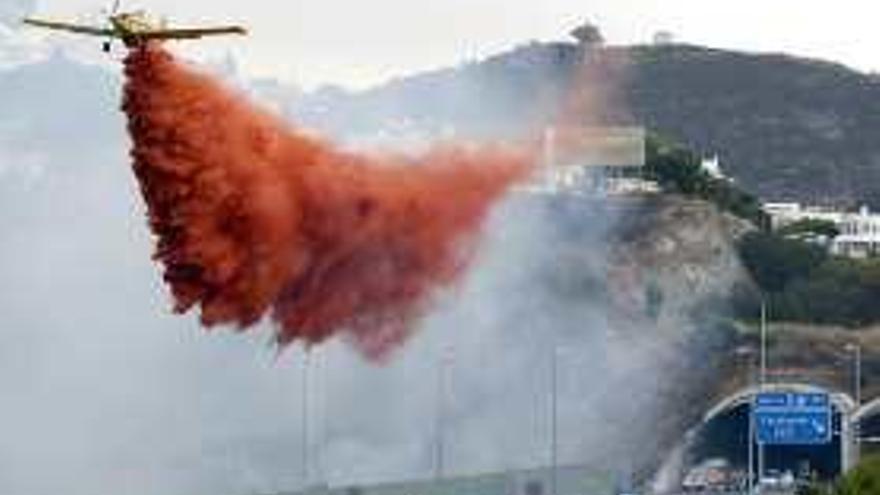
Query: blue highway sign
x=783, y=418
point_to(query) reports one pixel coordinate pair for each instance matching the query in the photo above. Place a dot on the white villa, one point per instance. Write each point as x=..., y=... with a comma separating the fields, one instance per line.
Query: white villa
x=712, y=166
x=784, y=214
x=859, y=235
x=859, y=231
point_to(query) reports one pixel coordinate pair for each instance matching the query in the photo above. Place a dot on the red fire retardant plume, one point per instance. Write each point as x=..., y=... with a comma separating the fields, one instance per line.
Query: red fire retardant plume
x=253, y=216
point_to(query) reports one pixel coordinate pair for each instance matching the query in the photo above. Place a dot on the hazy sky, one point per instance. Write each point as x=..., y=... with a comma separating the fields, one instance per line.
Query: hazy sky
x=358, y=43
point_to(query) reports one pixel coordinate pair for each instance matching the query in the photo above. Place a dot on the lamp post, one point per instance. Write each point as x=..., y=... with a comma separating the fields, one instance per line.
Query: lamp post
x=442, y=395
x=748, y=356
x=856, y=350
x=305, y=419
x=554, y=442
x=558, y=352
x=762, y=387
x=763, y=343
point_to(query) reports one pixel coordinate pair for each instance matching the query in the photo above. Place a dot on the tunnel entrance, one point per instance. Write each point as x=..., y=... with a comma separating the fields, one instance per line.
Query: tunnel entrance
x=726, y=437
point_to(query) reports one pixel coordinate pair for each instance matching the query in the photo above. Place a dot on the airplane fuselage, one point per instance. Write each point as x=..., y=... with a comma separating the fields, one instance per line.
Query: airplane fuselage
x=128, y=25
x=136, y=28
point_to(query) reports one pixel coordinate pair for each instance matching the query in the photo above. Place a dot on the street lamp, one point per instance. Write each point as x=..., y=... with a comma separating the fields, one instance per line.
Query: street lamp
x=854, y=428
x=305, y=419
x=553, y=420
x=443, y=367
x=748, y=356
x=763, y=343
x=762, y=388
x=558, y=351
x=856, y=350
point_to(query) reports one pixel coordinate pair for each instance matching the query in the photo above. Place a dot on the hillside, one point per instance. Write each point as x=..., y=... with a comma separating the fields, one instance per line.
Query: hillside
x=785, y=127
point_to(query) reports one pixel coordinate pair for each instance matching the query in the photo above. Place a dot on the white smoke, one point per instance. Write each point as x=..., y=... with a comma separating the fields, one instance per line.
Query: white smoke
x=106, y=392
x=12, y=11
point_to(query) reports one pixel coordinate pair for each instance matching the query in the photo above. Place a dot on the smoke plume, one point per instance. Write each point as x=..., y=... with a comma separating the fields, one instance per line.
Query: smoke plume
x=252, y=216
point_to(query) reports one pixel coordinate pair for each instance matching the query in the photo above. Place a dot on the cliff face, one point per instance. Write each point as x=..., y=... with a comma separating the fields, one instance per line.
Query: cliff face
x=662, y=285
x=673, y=256
x=684, y=255
x=784, y=127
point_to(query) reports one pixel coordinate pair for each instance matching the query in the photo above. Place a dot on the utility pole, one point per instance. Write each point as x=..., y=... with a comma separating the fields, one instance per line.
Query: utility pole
x=763, y=343
x=554, y=437
x=763, y=381
x=305, y=420
x=440, y=428
x=319, y=399
x=856, y=349
x=749, y=360
x=858, y=389
x=751, y=470
x=858, y=375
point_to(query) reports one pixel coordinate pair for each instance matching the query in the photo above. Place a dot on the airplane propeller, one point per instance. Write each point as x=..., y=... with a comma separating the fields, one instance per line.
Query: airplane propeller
x=108, y=45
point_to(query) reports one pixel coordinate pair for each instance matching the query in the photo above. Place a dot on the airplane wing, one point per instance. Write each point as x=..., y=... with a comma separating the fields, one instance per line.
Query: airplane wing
x=72, y=28
x=190, y=33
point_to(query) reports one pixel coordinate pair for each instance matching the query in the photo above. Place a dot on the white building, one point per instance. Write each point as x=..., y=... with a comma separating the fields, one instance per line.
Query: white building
x=784, y=214
x=859, y=235
x=859, y=231
x=712, y=166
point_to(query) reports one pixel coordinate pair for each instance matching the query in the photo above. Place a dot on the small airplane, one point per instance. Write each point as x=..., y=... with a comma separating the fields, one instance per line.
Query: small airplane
x=135, y=29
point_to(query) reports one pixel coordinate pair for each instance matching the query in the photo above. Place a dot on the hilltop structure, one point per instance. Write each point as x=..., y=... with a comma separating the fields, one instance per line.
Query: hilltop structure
x=859, y=231
x=712, y=166
x=593, y=161
x=588, y=34
x=662, y=38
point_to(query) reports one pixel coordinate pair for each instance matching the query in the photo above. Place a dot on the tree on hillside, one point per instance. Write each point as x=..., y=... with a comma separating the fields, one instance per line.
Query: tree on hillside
x=673, y=166
x=775, y=262
x=587, y=34
x=801, y=282
x=679, y=170
x=811, y=226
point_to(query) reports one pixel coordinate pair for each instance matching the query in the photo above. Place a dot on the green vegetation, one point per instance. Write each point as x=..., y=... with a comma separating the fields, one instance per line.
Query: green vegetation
x=799, y=279
x=810, y=227
x=678, y=169
x=775, y=262
x=864, y=479
x=801, y=282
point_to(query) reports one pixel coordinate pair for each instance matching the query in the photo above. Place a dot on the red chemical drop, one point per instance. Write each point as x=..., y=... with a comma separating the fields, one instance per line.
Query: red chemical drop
x=253, y=216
